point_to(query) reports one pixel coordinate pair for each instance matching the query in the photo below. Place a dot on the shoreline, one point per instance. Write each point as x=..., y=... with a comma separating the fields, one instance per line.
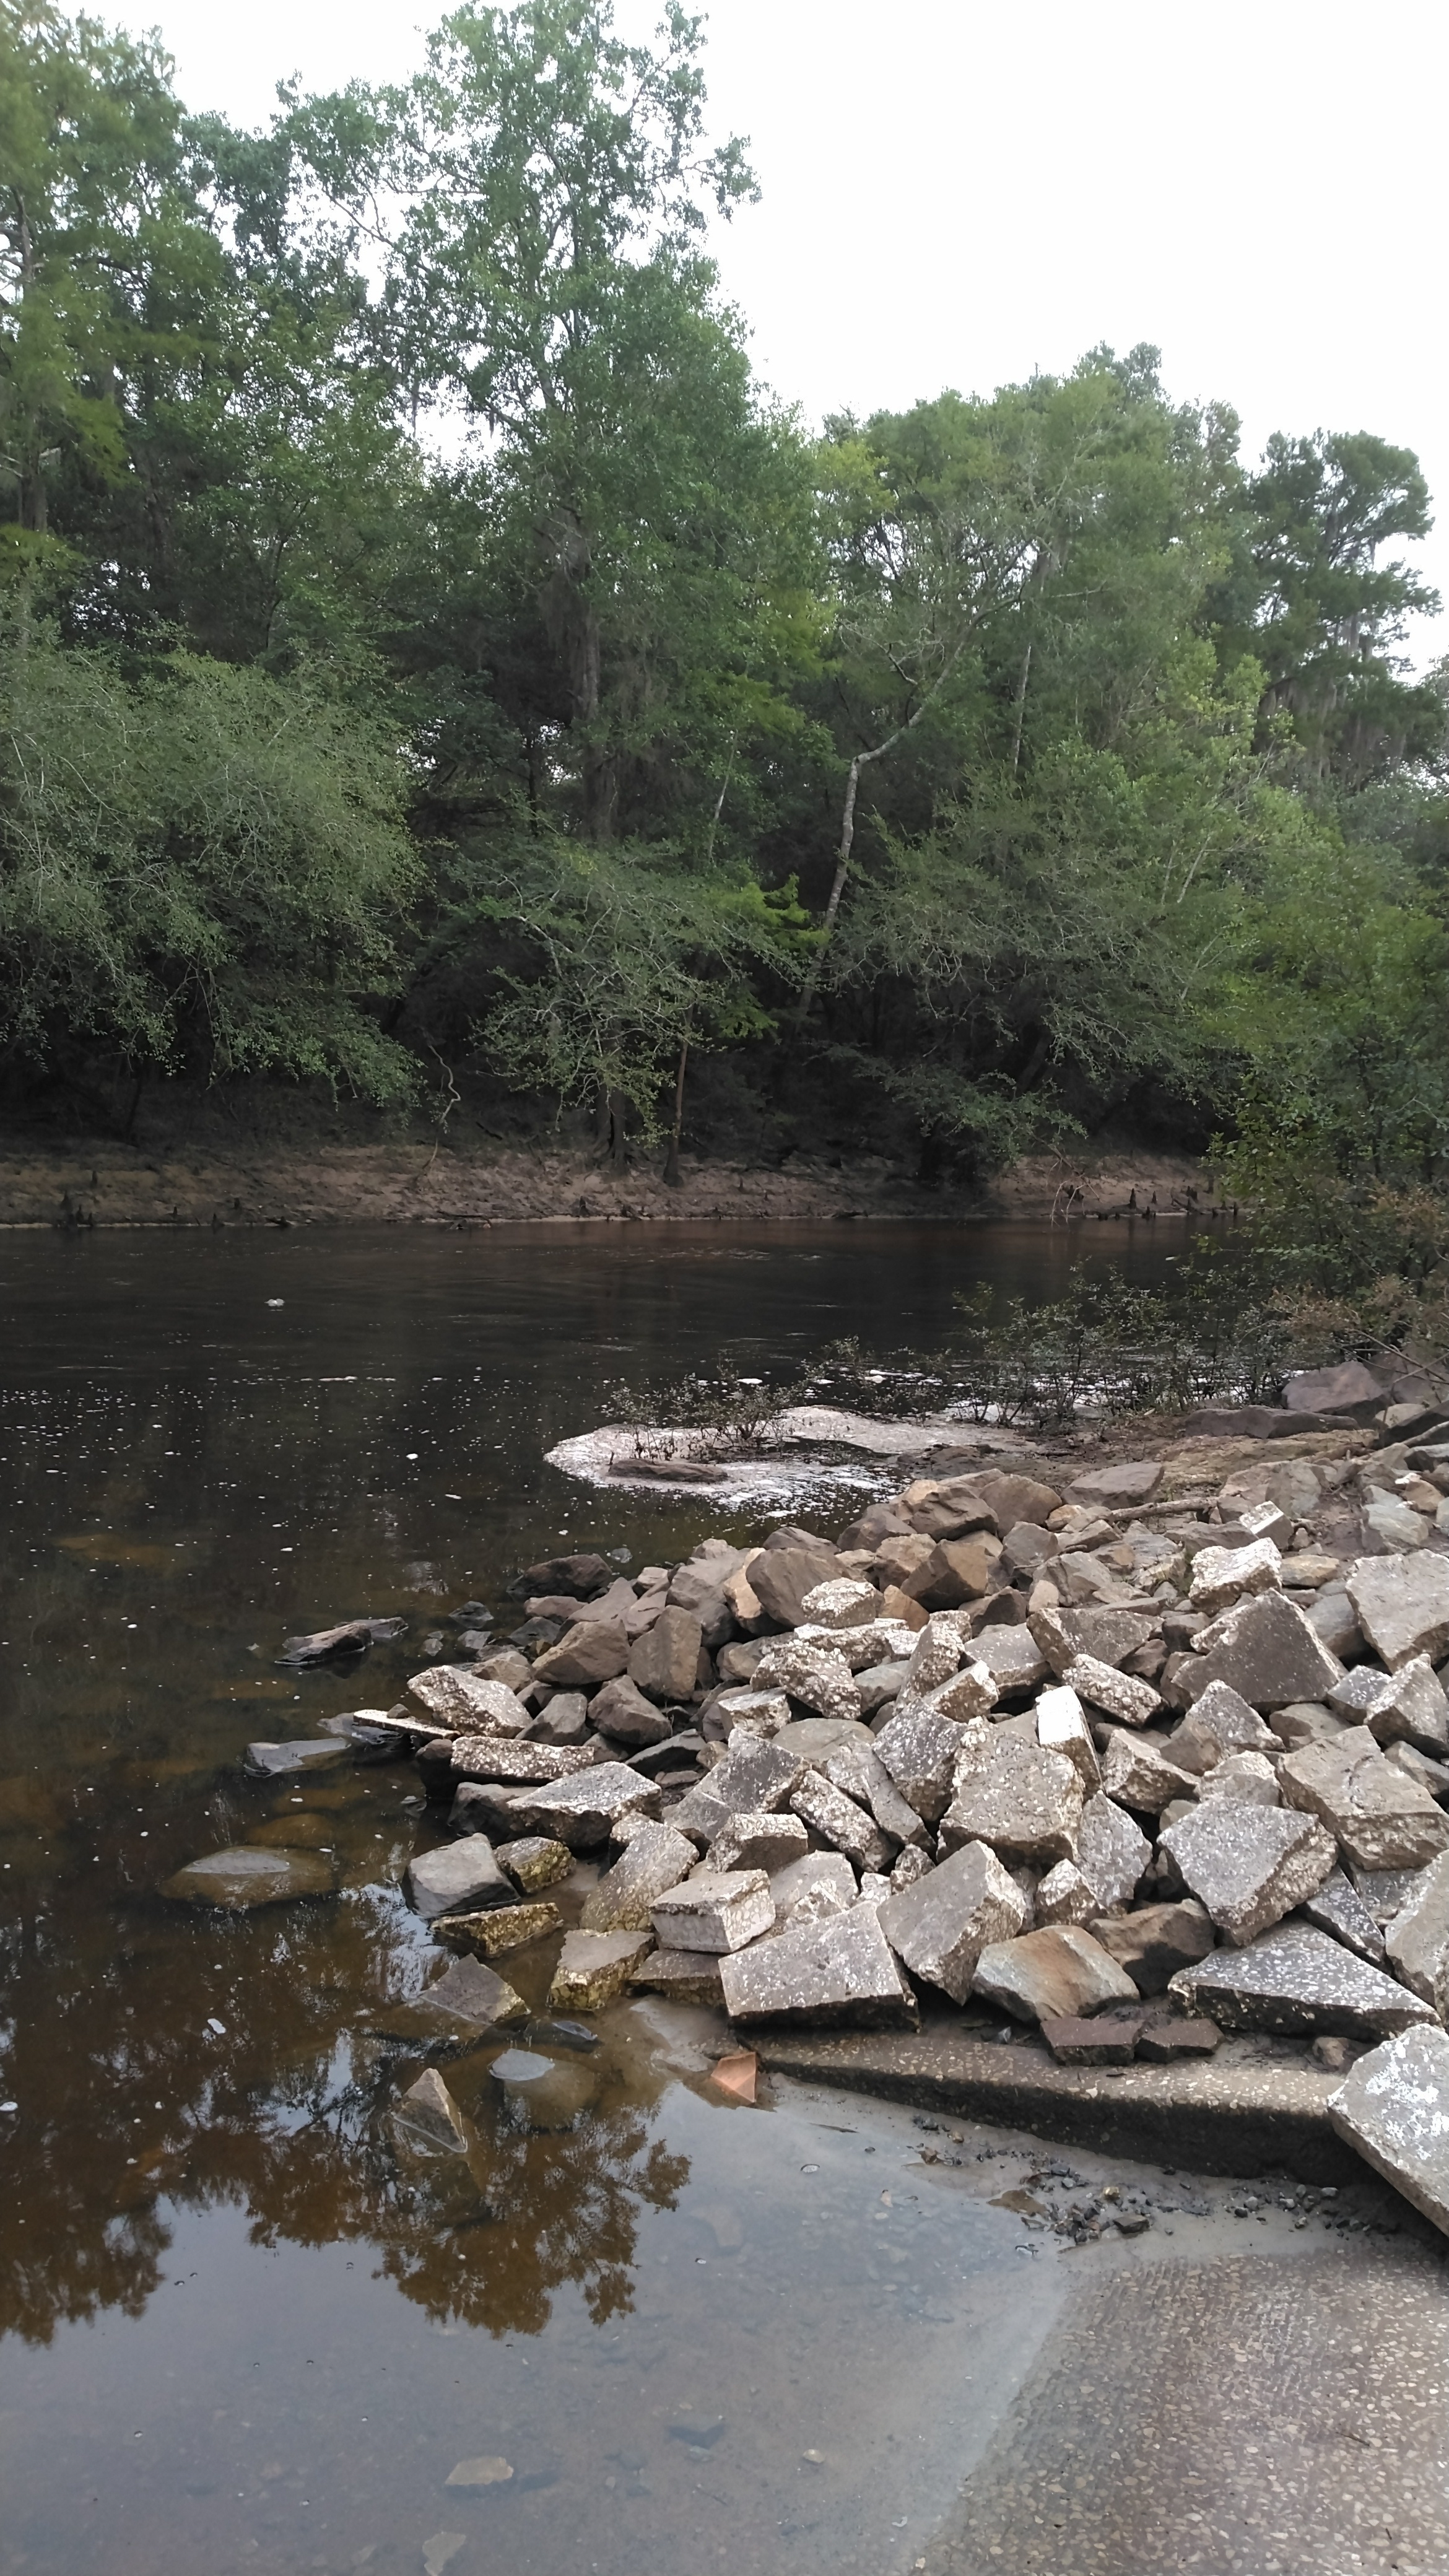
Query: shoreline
x=104, y=1185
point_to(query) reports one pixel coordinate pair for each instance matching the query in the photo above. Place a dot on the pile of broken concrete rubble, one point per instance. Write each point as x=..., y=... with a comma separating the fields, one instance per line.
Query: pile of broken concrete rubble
x=1132, y=1762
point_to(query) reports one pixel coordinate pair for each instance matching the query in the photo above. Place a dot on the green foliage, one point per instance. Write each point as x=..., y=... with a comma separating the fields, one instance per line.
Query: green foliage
x=198, y=869
x=975, y=774
x=624, y=958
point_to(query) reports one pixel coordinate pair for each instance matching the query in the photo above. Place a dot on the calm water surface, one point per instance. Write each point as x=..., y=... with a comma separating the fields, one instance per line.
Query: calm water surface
x=238, y=2331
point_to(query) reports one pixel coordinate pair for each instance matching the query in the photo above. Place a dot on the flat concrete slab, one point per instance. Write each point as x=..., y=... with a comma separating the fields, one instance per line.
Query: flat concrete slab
x=1255, y=2107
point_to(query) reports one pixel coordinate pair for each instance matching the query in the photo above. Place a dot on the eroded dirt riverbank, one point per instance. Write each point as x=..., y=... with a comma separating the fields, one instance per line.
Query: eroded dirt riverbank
x=105, y=1184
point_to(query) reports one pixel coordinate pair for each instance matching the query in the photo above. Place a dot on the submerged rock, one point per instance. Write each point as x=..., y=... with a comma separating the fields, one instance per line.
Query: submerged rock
x=593, y=1968
x=428, y=2120
x=282, y=1761
x=244, y=1874
x=458, y=1877
x=500, y=1928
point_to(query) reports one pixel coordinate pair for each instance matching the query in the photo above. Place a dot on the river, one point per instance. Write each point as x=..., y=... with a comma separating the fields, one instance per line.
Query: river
x=669, y=2334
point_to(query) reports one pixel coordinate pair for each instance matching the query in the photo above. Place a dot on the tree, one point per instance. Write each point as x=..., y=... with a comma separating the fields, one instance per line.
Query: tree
x=643, y=513
x=1329, y=612
x=200, y=871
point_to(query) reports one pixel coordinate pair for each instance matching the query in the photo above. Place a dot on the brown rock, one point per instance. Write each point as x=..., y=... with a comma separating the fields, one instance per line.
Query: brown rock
x=957, y=1570
x=1045, y=1975
x=664, y=1661
x=590, y=1652
x=1076, y=2041
x=620, y=1709
x=1154, y=1943
x=781, y=1577
x=1119, y=1488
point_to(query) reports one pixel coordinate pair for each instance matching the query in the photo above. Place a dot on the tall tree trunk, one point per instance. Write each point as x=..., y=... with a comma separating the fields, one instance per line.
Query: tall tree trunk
x=671, y=1159
x=1020, y=712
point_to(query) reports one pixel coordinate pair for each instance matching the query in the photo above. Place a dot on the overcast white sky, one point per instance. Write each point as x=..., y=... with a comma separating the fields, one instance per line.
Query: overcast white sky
x=955, y=193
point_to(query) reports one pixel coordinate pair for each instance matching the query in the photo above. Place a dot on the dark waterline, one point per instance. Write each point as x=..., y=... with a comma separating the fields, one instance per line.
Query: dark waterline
x=237, y=2331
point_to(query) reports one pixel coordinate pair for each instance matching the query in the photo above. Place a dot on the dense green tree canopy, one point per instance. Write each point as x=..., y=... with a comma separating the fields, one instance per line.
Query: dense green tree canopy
x=424, y=641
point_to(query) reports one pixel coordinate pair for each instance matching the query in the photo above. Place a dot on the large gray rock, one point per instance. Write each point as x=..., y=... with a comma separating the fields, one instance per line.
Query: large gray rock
x=1063, y=1896
x=1219, y=1722
x=828, y=1812
x=1417, y=1939
x=1138, y=1776
x=462, y=1702
x=1337, y=1907
x=841, y=1603
x=716, y=1909
x=1402, y=1606
x=655, y=1859
x=1333, y=1618
x=1268, y=1653
x=458, y=1878
x=811, y=1889
x=1108, y=1635
x=583, y=1811
x=1152, y=1944
x=756, y=1776
x=241, y=1876
x=1221, y=1575
x=512, y=1761
x=1055, y=1971
x=941, y=1925
x=813, y=1673
x=1112, y=1852
x=621, y=1711
x=1394, y=2108
x=1242, y=1775
x=474, y=1994
x=840, y=1973
x=877, y=1640
x=1118, y=1488
x=920, y=1750
x=1381, y=1818
x=1120, y=1695
x=1025, y=1802
x=1061, y=1727
x=1334, y=1389
x=1013, y=1659
x=1390, y=1518
x=1249, y=1865
x=760, y=1841
x=860, y=1772
x=664, y=1662
x=1298, y=1981
x=1409, y=1707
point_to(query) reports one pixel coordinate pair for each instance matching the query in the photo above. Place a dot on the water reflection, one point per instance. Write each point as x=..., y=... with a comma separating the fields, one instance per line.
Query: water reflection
x=192, y=1475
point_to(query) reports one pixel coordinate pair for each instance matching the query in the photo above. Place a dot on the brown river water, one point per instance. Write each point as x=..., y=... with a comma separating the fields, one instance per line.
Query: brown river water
x=237, y=2330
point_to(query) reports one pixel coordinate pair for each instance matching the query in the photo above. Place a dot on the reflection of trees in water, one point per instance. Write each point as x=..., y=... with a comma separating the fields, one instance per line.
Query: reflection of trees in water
x=261, y=2122
x=484, y=2241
